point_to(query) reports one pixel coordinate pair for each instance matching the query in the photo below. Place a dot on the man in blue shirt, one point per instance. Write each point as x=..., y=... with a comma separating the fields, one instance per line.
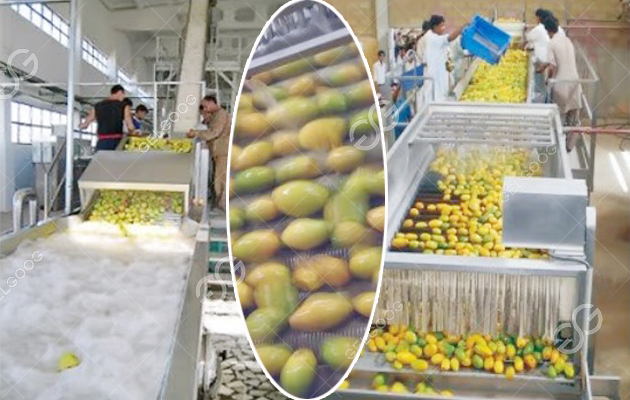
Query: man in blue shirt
x=402, y=112
x=139, y=116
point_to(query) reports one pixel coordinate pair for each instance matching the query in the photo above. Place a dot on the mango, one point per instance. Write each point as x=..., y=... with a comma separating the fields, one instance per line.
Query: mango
x=254, y=179
x=261, y=209
x=273, y=357
x=268, y=270
x=68, y=360
x=299, y=372
x=376, y=218
x=321, y=311
x=264, y=323
x=338, y=352
x=292, y=112
x=257, y=153
x=363, y=303
x=256, y=246
x=245, y=103
x=291, y=69
x=350, y=233
x=267, y=96
x=365, y=180
x=300, y=167
x=363, y=123
x=235, y=153
x=331, y=101
x=273, y=293
x=313, y=272
x=342, y=75
x=323, y=134
x=265, y=77
x=301, y=86
x=300, y=198
x=252, y=125
x=331, y=56
x=237, y=218
x=285, y=143
x=360, y=94
x=347, y=206
x=344, y=159
x=245, y=295
x=364, y=264
x=305, y=233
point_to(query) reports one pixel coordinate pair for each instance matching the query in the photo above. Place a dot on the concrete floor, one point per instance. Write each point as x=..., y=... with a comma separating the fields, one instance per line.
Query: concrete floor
x=612, y=262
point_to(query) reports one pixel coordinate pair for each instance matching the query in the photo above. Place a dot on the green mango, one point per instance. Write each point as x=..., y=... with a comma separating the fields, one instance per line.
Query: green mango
x=299, y=372
x=264, y=323
x=350, y=233
x=265, y=97
x=332, y=101
x=300, y=167
x=291, y=69
x=254, y=179
x=348, y=206
x=237, y=218
x=306, y=233
x=276, y=293
x=344, y=159
x=364, y=122
x=292, y=112
x=257, y=153
x=343, y=74
x=256, y=246
x=339, y=352
x=273, y=357
x=300, y=198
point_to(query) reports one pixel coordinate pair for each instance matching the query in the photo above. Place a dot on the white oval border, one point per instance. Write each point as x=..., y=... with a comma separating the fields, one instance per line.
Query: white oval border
x=227, y=194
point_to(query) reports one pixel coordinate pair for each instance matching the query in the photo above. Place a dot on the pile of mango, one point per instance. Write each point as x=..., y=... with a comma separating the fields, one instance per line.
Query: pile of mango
x=467, y=220
x=505, y=82
x=144, y=144
x=306, y=211
x=135, y=206
x=503, y=355
x=381, y=383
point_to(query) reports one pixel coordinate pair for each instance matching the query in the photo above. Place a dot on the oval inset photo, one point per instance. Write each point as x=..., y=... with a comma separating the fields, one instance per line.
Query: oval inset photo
x=307, y=198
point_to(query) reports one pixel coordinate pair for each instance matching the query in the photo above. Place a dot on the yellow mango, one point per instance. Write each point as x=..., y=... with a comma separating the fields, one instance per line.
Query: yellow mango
x=342, y=74
x=301, y=86
x=285, y=143
x=264, y=323
x=257, y=153
x=299, y=372
x=327, y=270
x=279, y=294
x=292, y=68
x=268, y=270
x=251, y=125
x=360, y=94
x=321, y=311
x=350, y=233
x=292, y=113
x=261, y=209
x=300, y=198
x=256, y=246
x=300, y=167
x=273, y=357
x=245, y=295
x=344, y=159
x=376, y=218
x=366, y=262
x=306, y=233
x=323, y=134
x=364, y=302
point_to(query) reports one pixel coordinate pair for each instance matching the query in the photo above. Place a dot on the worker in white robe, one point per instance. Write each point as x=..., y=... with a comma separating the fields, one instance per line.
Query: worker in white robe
x=435, y=55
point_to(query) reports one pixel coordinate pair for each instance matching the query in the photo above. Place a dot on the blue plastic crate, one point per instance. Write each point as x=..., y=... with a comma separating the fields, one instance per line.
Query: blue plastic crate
x=485, y=40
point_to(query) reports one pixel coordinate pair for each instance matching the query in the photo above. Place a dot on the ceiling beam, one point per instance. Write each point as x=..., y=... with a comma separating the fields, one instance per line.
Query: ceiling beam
x=151, y=19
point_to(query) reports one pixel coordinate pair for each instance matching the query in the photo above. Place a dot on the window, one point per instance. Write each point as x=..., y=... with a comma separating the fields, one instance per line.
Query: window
x=30, y=124
x=45, y=19
x=94, y=56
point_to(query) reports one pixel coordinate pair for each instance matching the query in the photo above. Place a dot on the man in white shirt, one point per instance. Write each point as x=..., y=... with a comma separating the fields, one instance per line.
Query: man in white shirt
x=437, y=42
x=421, y=44
x=567, y=94
x=380, y=74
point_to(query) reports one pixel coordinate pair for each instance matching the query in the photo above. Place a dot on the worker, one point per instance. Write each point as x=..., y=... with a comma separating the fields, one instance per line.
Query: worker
x=437, y=43
x=380, y=74
x=421, y=44
x=139, y=116
x=561, y=65
x=110, y=115
x=218, y=137
x=402, y=109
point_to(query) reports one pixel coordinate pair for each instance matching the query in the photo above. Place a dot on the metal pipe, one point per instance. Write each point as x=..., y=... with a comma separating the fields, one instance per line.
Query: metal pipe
x=18, y=202
x=74, y=37
x=61, y=84
x=589, y=130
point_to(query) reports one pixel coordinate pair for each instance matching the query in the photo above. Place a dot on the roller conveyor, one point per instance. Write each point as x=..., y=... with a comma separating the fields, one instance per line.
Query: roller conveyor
x=410, y=179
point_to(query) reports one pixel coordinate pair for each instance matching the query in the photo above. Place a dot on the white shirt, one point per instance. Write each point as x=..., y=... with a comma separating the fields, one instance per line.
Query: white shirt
x=538, y=38
x=421, y=47
x=435, y=56
x=380, y=71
